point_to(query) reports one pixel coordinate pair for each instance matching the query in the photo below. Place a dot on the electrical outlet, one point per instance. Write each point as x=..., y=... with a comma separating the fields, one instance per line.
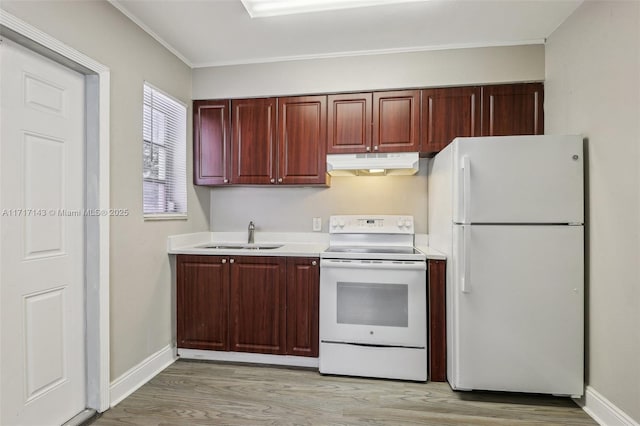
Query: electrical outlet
x=317, y=224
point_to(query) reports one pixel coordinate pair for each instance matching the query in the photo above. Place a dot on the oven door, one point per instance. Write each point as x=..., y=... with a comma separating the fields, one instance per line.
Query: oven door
x=373, y=302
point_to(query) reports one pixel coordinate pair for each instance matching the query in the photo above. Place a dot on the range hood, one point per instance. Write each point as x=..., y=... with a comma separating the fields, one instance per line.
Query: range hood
x=380, y=164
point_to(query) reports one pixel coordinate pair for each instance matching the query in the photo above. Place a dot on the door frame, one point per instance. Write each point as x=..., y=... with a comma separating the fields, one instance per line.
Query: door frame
x=97, y=105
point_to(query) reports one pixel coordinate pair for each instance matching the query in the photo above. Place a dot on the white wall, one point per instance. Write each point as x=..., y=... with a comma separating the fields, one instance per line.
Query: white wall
x=141, y=303
x=281, y=209
x=593, y=87
x=454, y=67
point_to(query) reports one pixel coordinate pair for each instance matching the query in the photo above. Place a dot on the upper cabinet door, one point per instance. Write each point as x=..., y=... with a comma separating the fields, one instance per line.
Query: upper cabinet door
x=302, y=140
x=513, y=109
x=211, y=121
x=253, y=140
x=349, y=123
x=396, y=121
x=448, y=113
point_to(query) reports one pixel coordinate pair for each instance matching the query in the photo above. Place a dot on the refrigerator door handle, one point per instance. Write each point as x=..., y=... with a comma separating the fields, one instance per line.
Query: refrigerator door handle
x=466, y=259
x=466, y=188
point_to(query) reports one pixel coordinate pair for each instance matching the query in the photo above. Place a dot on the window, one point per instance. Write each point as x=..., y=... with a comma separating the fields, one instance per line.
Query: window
x=164, y=135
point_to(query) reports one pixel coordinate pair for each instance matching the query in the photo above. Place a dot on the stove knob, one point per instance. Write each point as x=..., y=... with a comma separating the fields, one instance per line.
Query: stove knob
x=400, y=223
x=341, y=223
x=334, y=223
x=408, y=223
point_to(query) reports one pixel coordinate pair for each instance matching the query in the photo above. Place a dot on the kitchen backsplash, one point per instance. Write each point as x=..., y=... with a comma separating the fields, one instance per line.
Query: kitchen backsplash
x=291, y=209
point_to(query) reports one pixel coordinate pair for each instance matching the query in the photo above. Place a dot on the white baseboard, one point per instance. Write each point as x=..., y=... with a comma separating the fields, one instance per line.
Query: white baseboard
x=294, y=361
x=603, y=411
x=137, y=376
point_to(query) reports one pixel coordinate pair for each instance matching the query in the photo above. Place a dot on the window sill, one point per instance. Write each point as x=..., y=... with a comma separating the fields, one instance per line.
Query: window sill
x=165, y=216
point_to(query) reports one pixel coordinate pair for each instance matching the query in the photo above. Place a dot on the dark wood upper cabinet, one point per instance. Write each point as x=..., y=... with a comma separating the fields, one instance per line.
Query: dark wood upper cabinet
x=349, y=123
x=303, y=287
x=211, y=142
x=302, y=140
x=374, y=122
x=279, y=140
x=202, y=302
x=253, y=140
x=513, y=109
x=448, y=113
x=285, y=140
x=258, y=304
x=396, y=121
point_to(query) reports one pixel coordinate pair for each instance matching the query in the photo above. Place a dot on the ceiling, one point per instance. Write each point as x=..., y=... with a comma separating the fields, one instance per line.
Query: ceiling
x=220, y=32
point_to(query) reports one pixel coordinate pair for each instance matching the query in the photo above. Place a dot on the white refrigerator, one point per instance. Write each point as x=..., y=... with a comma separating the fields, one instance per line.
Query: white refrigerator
x=508, y=212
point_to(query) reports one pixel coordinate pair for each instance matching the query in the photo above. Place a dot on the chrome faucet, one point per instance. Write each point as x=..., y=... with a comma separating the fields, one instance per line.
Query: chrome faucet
x=252, y=229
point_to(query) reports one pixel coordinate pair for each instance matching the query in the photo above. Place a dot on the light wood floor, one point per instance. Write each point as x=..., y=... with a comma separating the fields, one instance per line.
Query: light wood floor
x=204, y=393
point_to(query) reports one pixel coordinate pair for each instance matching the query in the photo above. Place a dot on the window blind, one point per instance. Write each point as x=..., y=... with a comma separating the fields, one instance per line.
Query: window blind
x=164, y=168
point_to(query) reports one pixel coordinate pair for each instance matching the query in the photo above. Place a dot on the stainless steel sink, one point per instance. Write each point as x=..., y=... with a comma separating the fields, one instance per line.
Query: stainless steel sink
x=231, y=246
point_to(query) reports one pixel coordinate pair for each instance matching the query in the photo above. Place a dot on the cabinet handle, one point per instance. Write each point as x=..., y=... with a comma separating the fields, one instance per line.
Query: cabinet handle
x=224, y=261
x=273, y=180
x=375, y=148
x=226, y=180
x=314, y=263
x=279, y=180
x=368, y=148
x=231, y=261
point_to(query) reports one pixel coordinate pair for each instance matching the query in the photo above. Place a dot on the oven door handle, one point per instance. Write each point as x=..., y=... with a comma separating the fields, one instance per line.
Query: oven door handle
x=374, y=264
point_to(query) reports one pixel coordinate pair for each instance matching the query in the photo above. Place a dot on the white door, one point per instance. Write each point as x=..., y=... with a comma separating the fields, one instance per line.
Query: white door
x=42, y=240
x=518, y=307
x=518, y=179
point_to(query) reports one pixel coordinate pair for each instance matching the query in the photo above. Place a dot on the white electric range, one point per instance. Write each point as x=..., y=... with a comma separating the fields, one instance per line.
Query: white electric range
x=373, y=299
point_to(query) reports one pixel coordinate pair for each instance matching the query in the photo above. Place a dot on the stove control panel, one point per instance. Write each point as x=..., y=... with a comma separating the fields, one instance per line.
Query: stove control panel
x=371, y=224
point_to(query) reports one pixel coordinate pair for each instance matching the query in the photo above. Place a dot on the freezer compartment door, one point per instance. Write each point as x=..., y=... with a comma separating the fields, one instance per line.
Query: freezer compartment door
x=518, y=302
x=518, y=179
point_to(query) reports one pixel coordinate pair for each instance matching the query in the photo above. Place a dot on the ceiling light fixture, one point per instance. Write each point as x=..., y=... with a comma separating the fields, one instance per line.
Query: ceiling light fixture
x=265, y=8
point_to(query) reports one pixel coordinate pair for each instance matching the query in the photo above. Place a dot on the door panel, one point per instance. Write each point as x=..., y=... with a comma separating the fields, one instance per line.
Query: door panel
x=518, y=179
x=211, y=147
x=44, y=164
x=349, y=123
x=203, y=302
x=44, y=337
x=436, y=272
x=449, y=113
x=258, y=304
x=379, y=304
x=520, y=312
x=303, y=282
x=302, y=140
x=42, y=245
x=253, y=141
x=513, y=109
x=396, y=121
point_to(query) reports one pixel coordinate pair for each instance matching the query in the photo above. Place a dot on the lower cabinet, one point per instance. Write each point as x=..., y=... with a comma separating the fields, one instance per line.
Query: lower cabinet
x=303, y=298
x=202, y=295
x=259, y=304
x=437, y=320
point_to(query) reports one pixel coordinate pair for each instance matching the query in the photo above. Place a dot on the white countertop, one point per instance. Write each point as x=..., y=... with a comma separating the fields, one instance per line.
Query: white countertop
x=294, y=244
x=431, y=254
